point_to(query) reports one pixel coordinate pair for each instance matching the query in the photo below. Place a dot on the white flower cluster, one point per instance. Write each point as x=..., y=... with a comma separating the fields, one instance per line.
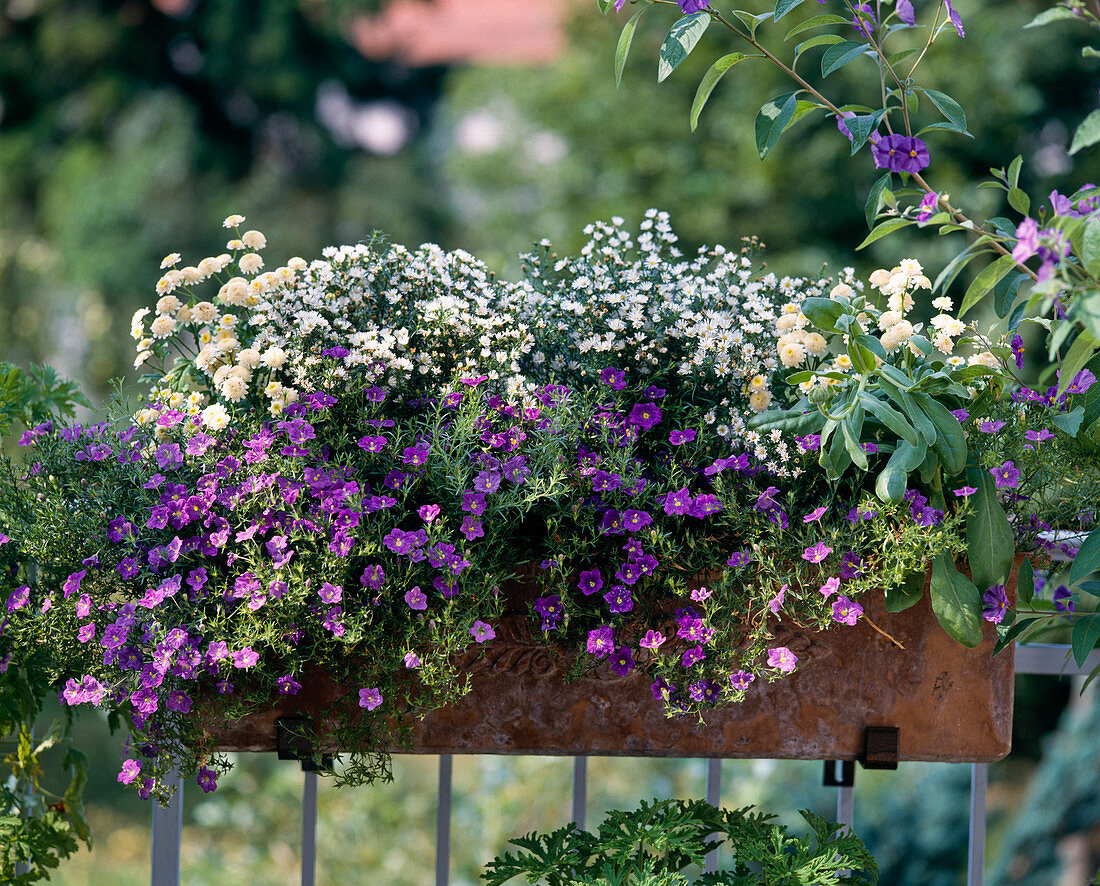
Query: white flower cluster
x=411, y=319
x=639, y=304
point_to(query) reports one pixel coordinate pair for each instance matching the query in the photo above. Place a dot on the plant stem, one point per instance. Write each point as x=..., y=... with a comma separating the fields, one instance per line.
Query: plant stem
x=881, y=631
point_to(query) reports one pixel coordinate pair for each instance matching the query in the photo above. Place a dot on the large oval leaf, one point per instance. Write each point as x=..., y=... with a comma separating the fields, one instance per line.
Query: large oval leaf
x=710, y=80
x=772, y=119
x=956, y=602
x=989, y=543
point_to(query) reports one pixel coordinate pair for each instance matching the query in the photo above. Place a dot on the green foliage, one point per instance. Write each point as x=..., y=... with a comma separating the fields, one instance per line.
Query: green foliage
x=35, y=395
x=660, y=840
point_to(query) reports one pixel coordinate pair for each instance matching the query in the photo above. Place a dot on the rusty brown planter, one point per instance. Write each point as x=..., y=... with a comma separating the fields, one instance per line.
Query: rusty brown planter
x=949, y=703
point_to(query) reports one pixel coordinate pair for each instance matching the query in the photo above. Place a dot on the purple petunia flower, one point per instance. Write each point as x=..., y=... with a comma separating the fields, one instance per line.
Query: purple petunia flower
x=782, y=659
x=245, y=658
x=690, y=7
x=900, y=153
x=776, y=602
x=1063, y=599
x=692, y=656
x=482, y=632
x=619, y=599
x=678, y=502
x=644, y=415
x=990, y=427
x=601, y=641
x=652, y=640
x=622, y=662
x=1007, y=476
x=741, y=679
x=678, y=438
x=287, y=685
x=846, y=611
x=130, y=770
x=416, y=598
x=207, y=779
x=614, y=378
x=370, y=698
x=815, y=515
x=816, y=553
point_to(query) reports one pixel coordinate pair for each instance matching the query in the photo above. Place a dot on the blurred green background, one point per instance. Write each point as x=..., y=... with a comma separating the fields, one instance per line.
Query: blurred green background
x=129, y=129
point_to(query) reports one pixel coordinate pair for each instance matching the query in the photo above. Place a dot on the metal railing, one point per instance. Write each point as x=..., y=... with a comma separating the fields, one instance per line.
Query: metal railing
x=1051, y=659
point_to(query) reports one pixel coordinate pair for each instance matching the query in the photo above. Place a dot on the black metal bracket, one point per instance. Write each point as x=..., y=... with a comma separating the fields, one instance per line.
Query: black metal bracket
x=291, y=743
x=839, y=774
x=881, y=747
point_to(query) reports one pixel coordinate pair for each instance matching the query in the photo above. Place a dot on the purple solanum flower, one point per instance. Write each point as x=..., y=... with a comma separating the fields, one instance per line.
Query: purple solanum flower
x=900, y=153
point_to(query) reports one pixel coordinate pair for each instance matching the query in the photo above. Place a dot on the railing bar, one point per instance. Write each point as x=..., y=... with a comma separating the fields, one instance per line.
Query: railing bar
x=1052, y=658
x=580, y=790
x=845, y=806
x=443, y=823
x=309, y=828
x=714, y=797
x=979, y=781
x=167, y=836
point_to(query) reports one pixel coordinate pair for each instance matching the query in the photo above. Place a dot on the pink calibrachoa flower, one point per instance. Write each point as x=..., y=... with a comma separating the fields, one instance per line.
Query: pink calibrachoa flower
x=652, y=640
x=782, y=659
x=428, y=513
x=830, y=587
x=130, y=770
x=412, y=660
x=815, y=515
x=245, y=658
x=965, y=491
x=370, y=698
x=816, y=553
x=700, y=594
x=846, y=611
x=776, y=602
x=481, y=631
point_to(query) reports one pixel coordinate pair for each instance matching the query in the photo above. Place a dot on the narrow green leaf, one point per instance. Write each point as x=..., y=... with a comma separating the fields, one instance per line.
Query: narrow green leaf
x=947, y=106
x=1090, y=251
x=622, y=49
x=1086, y=631
x=886, y=227
x=874, y=199
x=951, y=270
x=783, y=7
x=1011, y=633
x=605, y=5
x=1080, y=352
x=1004, y=293
x=861, y=126
x=989, y=543
x=1051, y=15
x=819, y=40
x=1013, y=177
x=772, y=119
x=817, y=21
x=710, y=80
x=1088, y=133
x=851, y=444
x=840, y=54
x=956, y=602
x=890, y=417
x=985, y=281
x=1087, y=560
x=680, y=40
x=1019, y=201
x=950, y=443
x=908, y=593
x=751, y=20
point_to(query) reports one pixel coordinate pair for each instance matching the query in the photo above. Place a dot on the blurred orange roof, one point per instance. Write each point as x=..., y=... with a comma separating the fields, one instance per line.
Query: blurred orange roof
x=418, y=33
